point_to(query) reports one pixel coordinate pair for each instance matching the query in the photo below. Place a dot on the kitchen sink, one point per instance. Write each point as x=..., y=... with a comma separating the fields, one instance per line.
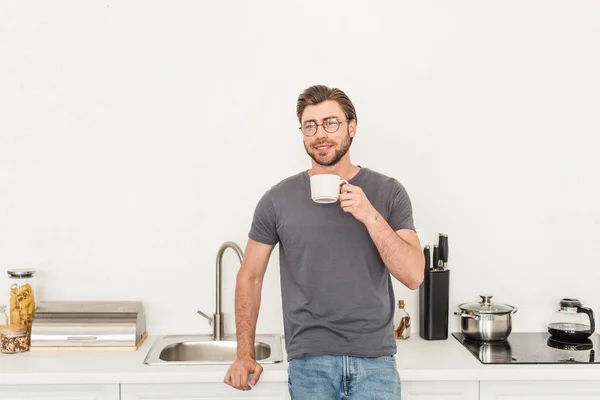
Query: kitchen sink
x=203, y=349
x=217, y=348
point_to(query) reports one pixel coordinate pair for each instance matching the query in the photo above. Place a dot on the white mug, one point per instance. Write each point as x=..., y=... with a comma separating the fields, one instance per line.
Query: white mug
x=325, y=188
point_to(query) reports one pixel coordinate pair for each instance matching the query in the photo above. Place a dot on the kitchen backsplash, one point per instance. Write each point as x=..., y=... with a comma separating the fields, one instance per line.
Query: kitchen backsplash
x=131, y=150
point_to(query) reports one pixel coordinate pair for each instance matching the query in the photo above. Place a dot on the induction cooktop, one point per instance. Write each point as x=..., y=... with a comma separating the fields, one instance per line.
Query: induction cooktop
x=532, y=348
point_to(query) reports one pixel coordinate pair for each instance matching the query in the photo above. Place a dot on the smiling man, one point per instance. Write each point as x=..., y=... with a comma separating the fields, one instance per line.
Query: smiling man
x=337, y=262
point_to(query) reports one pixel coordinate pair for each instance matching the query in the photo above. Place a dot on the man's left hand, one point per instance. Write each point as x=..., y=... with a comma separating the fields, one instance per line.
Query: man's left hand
x=353, y=200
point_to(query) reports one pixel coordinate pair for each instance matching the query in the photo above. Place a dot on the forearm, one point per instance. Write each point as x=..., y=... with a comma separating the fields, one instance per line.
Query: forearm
x=405, y=261
x=247, y=304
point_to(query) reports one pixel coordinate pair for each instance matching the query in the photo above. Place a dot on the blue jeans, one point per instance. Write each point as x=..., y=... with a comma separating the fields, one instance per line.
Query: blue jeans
x=343, y=378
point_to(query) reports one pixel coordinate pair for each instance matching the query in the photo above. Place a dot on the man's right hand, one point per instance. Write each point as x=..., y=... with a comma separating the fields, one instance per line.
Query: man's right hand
x=237, y=375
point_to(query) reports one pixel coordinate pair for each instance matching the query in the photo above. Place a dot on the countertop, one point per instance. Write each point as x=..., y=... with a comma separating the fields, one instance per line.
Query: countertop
x=417, y=359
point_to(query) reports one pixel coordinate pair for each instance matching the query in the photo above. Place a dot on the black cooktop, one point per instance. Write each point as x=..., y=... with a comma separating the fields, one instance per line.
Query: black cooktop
x=532, y=348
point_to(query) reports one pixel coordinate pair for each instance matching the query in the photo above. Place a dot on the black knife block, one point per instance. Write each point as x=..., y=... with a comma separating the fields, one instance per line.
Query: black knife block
x=434, y=305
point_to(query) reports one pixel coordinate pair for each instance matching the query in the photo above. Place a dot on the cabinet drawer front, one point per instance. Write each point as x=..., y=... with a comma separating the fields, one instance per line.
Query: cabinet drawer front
x=203, y=391
x=59, y=392
x=540, y=390
x=440, y=390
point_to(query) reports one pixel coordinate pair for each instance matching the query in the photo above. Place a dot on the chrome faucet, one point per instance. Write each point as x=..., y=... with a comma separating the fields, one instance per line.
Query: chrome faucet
x=217, y=320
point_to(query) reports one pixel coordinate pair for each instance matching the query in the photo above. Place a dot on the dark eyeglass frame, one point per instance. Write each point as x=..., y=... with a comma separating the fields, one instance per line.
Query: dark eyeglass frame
x=339, y=123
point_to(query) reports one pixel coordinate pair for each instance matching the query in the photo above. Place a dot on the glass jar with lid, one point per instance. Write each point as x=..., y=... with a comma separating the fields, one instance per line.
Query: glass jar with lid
x=13, y=339
x=22, y=301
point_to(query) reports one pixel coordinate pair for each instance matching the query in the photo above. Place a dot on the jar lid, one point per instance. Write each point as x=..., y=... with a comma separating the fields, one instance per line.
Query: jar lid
x=13, y=329
x=21, y=273
x=485, y=306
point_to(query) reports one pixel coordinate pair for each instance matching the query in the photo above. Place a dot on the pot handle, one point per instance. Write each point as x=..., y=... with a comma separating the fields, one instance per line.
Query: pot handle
x=514, y=311
x=590, y=314
x=475, y=317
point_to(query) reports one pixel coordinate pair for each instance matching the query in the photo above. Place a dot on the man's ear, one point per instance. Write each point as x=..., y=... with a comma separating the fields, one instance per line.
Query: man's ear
x=352, y=127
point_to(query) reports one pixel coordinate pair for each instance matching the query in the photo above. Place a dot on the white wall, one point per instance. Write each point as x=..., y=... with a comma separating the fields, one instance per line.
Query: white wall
x=136, y=137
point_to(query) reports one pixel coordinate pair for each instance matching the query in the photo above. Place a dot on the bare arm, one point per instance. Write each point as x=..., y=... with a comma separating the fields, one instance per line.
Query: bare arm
x=247, y=303
x=399, y=250
x=248, y=294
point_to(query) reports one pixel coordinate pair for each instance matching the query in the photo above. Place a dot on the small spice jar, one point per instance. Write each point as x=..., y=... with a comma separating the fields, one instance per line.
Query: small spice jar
x=13, y=339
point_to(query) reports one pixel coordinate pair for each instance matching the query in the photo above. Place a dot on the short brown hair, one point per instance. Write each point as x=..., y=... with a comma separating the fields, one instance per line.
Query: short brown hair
x=318, y=94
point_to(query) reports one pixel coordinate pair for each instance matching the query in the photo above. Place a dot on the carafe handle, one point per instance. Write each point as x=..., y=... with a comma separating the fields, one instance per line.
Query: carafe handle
x=590, y=314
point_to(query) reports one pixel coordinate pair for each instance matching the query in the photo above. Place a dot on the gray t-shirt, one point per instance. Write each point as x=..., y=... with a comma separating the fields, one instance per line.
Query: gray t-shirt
x=336, y=291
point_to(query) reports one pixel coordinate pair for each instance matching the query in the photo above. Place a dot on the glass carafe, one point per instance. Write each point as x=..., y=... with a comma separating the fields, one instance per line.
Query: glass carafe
x=572, y=322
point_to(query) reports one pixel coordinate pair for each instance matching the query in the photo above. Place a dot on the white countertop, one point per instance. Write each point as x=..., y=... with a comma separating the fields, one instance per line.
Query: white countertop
x=417, y=359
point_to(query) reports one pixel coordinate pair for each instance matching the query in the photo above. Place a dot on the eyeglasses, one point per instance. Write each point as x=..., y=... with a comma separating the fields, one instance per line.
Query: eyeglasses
x=330, y=125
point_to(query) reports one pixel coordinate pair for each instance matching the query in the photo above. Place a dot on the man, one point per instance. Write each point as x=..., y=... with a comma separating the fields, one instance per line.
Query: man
x=335, y=260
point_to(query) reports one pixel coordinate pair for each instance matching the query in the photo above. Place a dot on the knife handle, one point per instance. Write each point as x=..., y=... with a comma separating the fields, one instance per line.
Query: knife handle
x=436, y=255
x=445, y=250
x=427, y=254
x=441, y=247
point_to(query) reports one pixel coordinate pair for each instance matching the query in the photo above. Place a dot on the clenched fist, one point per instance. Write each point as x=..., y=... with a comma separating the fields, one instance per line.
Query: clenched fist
x=237, y=375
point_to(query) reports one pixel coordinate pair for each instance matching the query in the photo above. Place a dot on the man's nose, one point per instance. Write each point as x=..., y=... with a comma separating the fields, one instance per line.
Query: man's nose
x=321, y=133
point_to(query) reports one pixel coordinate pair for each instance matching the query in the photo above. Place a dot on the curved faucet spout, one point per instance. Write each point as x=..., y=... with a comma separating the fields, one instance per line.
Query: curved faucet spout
x=217, y=321
x=219, y=283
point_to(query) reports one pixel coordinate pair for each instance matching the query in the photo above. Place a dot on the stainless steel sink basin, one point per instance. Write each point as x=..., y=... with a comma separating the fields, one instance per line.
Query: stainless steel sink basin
x=202, y=349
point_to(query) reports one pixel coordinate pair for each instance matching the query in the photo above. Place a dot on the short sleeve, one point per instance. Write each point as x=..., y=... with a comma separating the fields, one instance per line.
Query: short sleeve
x=401, y=215
x=264, y=224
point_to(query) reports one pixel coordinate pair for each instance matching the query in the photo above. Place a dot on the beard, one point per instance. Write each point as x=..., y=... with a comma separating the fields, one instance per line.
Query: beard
x=330, y=159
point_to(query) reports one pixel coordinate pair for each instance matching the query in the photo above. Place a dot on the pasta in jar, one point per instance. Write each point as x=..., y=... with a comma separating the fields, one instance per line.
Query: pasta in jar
x=22, y=305
x=21, y=298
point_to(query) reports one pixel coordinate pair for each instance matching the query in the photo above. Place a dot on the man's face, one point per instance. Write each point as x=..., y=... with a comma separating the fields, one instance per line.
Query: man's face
x=324, y=147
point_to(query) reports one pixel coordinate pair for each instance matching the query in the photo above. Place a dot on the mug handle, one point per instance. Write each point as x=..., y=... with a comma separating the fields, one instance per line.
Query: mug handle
x=342, y=183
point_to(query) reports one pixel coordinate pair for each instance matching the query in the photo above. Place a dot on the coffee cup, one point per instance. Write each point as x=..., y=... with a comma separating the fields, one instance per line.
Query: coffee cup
x=325, y=188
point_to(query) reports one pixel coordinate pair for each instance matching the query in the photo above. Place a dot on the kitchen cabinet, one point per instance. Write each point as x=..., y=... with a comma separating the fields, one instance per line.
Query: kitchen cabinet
x=59, y=392
x=539, y=390
x=440, y=390
x=203, y=391
x=422, y=390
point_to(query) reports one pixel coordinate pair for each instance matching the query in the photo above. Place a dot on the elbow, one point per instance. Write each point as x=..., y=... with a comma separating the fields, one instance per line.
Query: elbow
x=418, y=272
x=416, y=278
x=416, y=281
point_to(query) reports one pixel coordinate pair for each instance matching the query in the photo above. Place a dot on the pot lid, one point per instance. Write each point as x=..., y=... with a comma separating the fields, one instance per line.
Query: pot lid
x=485, y=306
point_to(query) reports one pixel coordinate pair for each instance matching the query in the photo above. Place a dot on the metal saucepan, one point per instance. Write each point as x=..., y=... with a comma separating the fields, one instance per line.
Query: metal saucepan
x=486, y=321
